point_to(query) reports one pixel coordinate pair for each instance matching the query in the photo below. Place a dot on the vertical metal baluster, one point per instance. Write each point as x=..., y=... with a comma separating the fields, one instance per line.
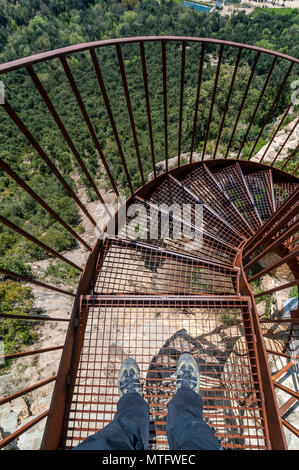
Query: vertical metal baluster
x=197, y=98
x=15, y=118
x=86, y=118
x=289, y=158
x=243, y=101
x=297, y=167
x=277, y=129
x=37, y=242
x=110, y=115
x=213, y=99
x=257, y=105
x=164, y=70
x=130, y=111
x=181, y=100
x=289, y=135
x=272, y=107
x=148, y=109
x=5, y=167
x=63, y=130
x=228, y=98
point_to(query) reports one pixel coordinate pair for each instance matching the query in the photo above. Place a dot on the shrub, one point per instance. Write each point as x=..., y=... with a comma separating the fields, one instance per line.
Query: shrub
x=16, y=299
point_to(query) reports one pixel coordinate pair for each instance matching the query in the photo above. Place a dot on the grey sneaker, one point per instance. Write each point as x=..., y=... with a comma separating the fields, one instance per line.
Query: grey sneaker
x=187, y=373
x=129, y=377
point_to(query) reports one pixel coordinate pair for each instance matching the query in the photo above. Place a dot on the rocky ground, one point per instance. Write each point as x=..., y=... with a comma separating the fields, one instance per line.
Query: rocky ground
x=280, y=140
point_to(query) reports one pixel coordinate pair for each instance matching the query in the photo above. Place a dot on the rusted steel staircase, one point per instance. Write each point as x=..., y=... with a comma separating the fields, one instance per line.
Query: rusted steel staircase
x=153, y=299
x=146, y=293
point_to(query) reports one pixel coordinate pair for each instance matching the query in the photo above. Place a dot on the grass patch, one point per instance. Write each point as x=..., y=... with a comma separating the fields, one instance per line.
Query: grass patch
x=16, y=299
x=294, y=292
x=62, y=273
x=228, y=319
x=256, y=289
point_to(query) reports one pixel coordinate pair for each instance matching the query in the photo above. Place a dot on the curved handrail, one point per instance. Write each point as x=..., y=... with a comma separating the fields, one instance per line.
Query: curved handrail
x=42, y=56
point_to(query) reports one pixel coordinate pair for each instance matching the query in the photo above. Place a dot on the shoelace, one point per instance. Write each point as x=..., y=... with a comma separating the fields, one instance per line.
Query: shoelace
x=186, y=377
x=129, y=382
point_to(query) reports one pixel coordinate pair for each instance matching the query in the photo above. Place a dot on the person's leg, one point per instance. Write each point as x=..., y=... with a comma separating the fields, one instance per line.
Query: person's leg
x=185, y=427
x=129, y=429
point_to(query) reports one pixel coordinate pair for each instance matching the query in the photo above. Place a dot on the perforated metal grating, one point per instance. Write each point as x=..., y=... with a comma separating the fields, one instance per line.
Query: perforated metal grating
x=261, y=189
x=232, y=182
x=171, y=193
x=126, y=267
x=190, y=240
x=206, y=187
x=155, y=331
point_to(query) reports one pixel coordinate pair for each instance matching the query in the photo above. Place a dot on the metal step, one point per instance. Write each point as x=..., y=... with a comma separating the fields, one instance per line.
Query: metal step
x=282, y=190
x=261, y=187
x=233, y=183
x=203, y=183
x=207, y=207
x=155, y=331
x=172, y=193
x=148, y=223
x=126, y=267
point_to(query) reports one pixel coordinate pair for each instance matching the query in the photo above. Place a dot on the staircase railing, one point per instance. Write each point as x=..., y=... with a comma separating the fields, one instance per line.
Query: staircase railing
x=279, y=235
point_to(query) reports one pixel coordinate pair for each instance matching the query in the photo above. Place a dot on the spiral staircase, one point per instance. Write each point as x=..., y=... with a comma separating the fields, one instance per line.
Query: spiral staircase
x=151, y=295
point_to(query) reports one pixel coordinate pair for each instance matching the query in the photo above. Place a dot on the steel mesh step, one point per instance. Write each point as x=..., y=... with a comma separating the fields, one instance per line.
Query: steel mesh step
x=282, y=190
x=156, y=331
x=125, y=267
x=232, y=182
x=147, y=223
x=171, y=193
x=202, y=182
x=261, y=188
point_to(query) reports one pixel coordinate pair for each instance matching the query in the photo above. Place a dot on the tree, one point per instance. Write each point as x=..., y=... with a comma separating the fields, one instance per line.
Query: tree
x=16, y=299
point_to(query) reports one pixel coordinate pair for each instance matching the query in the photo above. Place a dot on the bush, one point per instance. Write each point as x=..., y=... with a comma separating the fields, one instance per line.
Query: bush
x=16, y=299
x=60, y=272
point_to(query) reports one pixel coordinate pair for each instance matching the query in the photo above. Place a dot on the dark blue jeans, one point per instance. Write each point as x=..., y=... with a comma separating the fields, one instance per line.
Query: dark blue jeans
x=129, y=430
